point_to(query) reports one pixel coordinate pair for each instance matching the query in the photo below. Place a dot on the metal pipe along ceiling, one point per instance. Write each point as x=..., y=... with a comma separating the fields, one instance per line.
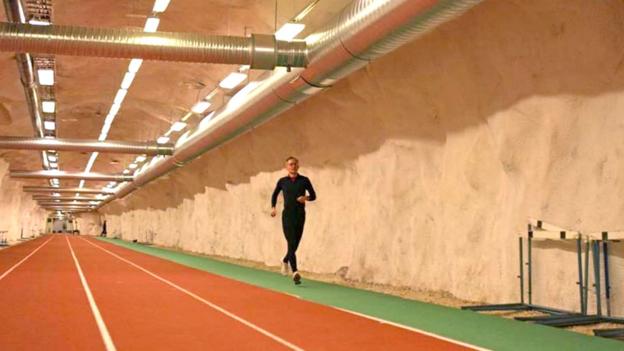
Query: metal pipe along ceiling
x=27, y=75
x=50, y=198
x=122, y=147
x=260, y=51
x=70, y=175
x=51, y=189
x=368, y=28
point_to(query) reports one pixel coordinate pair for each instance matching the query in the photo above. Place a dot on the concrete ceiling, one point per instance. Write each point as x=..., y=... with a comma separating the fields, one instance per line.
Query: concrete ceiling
x=162, y=92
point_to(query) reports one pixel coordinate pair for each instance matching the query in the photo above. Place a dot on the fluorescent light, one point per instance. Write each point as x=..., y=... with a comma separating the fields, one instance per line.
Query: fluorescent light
x=92, y=159
x=48, y=106
x=53, y=164
x=233, y=80
x=132, y=166
x=46, y=76
x=160, y=5
x=135, y=65
x=201, y=107
x=114, y=109
x=162, y=140
x=289, y=31
x=238, y=98
x=49, y=125
x=52, y=158
x=121, y=95
x=141, y=158
x=126, y=171
x=82, y=183
x=38, y=23
x=151, y=25
x=178, y=126
x=127, y=80
x=204, y=122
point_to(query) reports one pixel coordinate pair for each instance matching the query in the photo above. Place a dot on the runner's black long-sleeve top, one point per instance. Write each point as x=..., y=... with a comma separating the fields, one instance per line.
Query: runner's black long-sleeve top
x=293, y=188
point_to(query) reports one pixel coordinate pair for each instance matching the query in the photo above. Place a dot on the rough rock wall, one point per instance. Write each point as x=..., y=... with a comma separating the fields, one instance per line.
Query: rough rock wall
x=429, y=161
x=89, y=223
x=20, y=215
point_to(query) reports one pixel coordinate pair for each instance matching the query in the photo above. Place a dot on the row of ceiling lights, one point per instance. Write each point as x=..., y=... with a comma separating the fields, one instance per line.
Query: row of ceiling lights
x=46, y=77
x=151, y=25
x=232, y=81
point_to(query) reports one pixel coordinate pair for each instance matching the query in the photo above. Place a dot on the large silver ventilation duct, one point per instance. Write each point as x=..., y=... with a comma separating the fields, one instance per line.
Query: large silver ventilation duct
x=70, y=175
x=260, y=51
x=365, y=30
x=50, y=189
x=122, y=147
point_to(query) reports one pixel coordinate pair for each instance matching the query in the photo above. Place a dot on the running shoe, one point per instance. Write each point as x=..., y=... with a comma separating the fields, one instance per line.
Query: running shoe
x=297, y=278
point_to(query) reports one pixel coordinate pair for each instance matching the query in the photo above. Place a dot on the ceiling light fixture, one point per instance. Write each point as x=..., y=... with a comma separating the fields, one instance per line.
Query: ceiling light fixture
x=49, y=125
x=162, y=140
x=127, y=80
x=201, y=107
x=233, y=80
x=119, y=98
x=114, y=110
x=160, y=5
x=48, y=106
x=178, y=126
x=135, y=65
x=289, y=31
x=151, y=25
x=46, y=76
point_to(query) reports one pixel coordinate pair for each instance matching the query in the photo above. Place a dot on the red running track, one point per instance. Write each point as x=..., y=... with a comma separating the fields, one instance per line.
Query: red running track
x=146, y=303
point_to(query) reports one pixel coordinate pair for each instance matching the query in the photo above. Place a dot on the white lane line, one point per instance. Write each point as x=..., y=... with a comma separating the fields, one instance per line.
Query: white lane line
x=108, y=341
x=199, y=298
x=419, y=331
x=23, y=259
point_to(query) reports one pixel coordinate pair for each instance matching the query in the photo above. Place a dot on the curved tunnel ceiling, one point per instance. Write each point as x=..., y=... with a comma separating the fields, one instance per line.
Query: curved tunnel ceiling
x=161, y=93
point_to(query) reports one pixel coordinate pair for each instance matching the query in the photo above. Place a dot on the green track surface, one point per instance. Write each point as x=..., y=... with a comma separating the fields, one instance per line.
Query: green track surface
x=490, y=332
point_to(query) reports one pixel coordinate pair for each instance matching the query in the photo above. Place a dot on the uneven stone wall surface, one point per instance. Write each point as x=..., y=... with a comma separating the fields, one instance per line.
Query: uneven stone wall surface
x=20, y=215
x=429, y=161
x=89, y=223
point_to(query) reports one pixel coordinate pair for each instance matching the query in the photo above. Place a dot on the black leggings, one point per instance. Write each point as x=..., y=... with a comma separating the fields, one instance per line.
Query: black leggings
x=292, y=223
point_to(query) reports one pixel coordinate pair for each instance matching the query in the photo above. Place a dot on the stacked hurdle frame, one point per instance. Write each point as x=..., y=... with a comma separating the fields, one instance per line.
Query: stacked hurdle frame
x=561, y=318
x=552, y=233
